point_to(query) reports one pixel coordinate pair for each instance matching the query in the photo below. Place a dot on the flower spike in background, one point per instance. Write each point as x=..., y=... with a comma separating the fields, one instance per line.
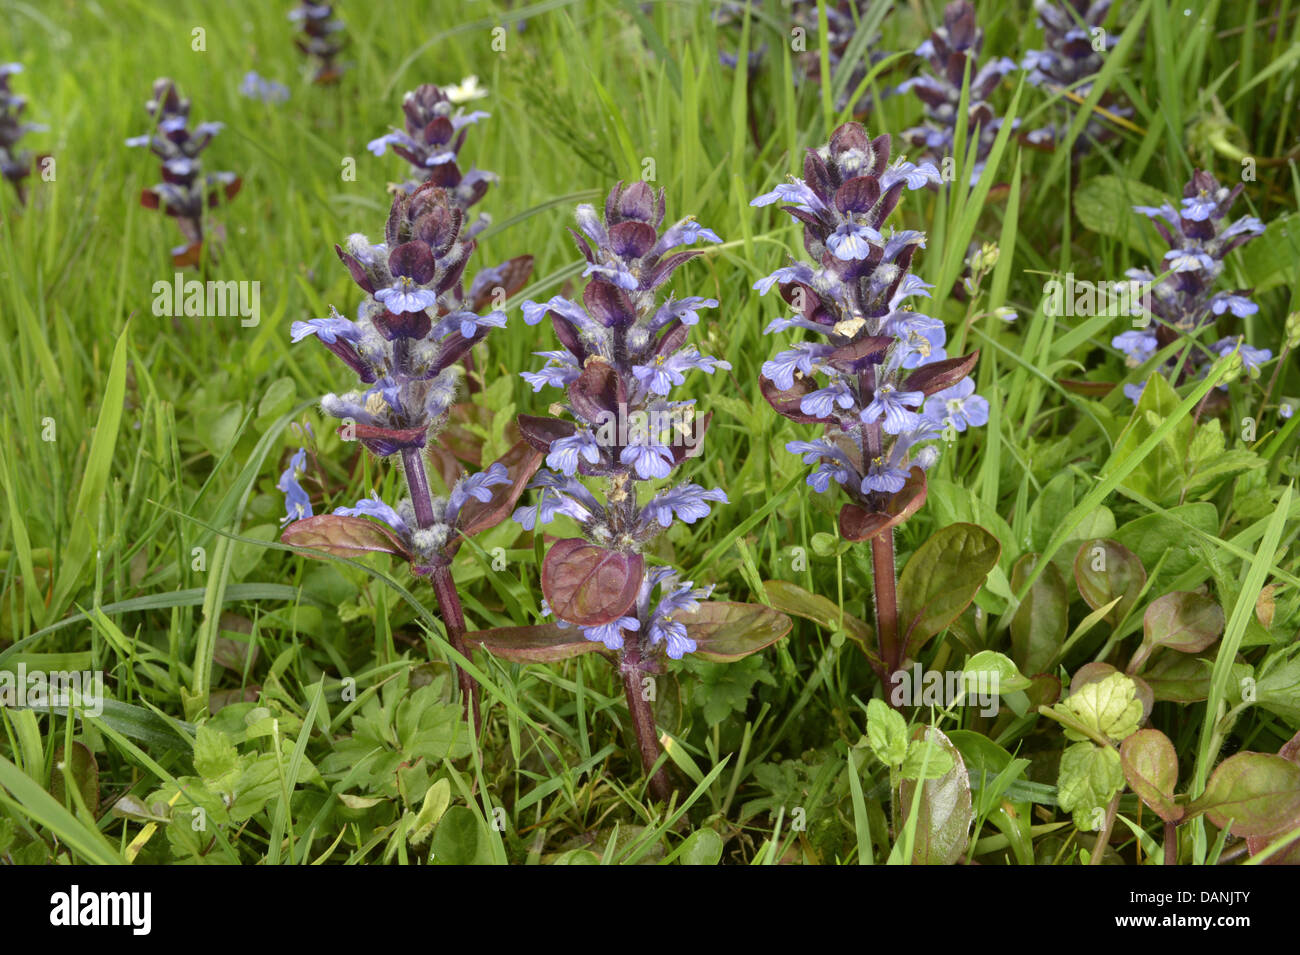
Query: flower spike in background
x=186, y=190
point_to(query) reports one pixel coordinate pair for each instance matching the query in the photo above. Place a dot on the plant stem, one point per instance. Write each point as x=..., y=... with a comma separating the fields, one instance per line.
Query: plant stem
x=886, y=603
x=444, y=587
x=1103, y=837
x=453, y=618
x=643, y=723
x=1171, y=843
x=418, y=483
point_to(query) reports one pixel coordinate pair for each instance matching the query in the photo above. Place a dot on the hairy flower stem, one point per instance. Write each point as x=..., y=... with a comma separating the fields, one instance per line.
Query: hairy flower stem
x=643, y=722
x=886, y=601
x=453, y=619
x=885, y=595
x=444, y=587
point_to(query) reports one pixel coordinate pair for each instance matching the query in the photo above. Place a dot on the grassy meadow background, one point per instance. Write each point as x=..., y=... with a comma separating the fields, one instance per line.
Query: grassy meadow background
x=129, y=440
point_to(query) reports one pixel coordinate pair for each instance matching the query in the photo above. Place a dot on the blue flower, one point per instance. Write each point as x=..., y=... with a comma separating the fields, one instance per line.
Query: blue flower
x=476, y=486
x=558, y=496
x=673, y=633
x=1246, y=225
x=373, y=507
x=821, y=403
x=681, y=598
x=663, y=373
x=687, y=502
x=892, y=405
x=617, y=273
x=1136, y=346
x=883, y=478
x=803, y=357
x=260, y=88
x=1239, y=305
x=1199, y=207
x=684, y=310
x=559, y=370
x=405, y=296
x=799, y=272
x=1165, y=211
x=534, y=312
x=958, y=406
x=1251, y=358
x=564, y=453
x=328, y=330
x=1134, y=392
x=686, y=232
x=851, y=241
x=921, y=347
x=827, y=471
x=296, y=502
x=911, y=285
x=611, y=634
x=915, y=175
x=796, y=193
x=468, y=323
x=649, y=460
x=1189, y=260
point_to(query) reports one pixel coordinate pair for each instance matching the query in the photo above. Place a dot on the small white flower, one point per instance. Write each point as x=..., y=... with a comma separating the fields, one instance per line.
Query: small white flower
x=465, y=91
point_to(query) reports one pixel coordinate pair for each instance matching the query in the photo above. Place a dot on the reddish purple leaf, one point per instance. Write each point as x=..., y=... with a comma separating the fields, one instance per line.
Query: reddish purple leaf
x=597, y=392
x=680, y=450
x=515, y=274
x=589, y=585
x=540, y=432
x=939, y=375
x=546, y=643
x=724, y=631
x=1257, y=844
x=856, y=356
x=343, y=536
x=608, y=304
x=786, y=403
x=521, y=462
x=1151, y=768
x=859, y=524
x=1091, y=389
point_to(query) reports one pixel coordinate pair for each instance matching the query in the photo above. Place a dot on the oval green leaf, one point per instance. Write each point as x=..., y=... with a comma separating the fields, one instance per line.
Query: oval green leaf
x=941, y=579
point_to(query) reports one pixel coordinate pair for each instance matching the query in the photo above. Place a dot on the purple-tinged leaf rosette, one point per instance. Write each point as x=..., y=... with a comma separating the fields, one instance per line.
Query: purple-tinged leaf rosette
x=623, y=353
x=435, y=130
x=947, y=51
x=15, y=164
x=872, y=371
x=1075, y=47
x=404, y=349
x=186, y=191
x=1186, y=302
x=321, y=39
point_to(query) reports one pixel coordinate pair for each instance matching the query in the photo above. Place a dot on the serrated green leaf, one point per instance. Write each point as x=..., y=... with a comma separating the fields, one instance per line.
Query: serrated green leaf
x=1108, y=708
x=887, y=733
x=1089, y=777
